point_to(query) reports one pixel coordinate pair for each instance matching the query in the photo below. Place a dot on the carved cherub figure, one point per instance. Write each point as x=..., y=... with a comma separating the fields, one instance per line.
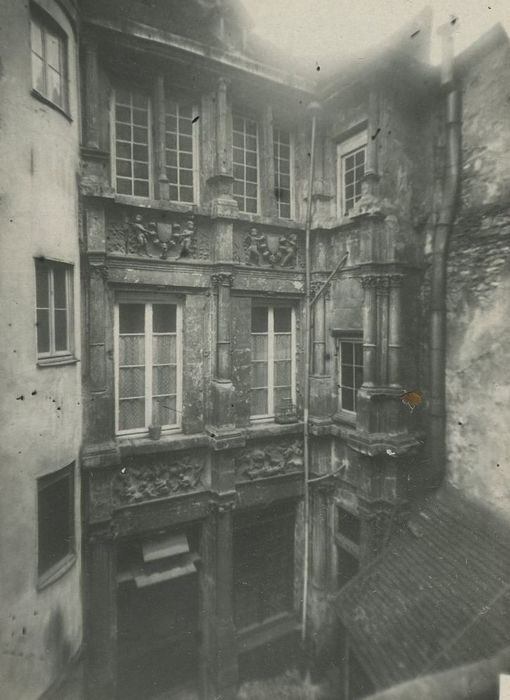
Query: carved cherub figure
x=287, y=249
x=252, y=247
x=185, y=240
x=143, y=234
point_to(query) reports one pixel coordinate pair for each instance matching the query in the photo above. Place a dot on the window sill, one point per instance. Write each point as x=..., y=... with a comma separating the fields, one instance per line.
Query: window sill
x=57, y=361
x=267, y=631
x=56, y=572
x=45, y=100
x=345, y=417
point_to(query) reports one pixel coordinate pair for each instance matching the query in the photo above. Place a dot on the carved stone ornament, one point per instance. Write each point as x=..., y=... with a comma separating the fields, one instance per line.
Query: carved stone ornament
x=157, y=479
x=270, y=250
x=222, y=279
x=271, y=460
x=135, y=236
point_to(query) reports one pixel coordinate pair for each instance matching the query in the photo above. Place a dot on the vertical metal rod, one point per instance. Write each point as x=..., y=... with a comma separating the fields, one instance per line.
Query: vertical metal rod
x=314, y=107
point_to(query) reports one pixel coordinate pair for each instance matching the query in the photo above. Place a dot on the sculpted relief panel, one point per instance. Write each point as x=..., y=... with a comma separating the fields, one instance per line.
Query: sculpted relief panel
x=267, y=249
x=135, y=234
x=270, y=460
x=158, y=478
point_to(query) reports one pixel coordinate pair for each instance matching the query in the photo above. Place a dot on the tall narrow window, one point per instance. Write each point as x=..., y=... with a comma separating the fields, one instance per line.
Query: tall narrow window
x=55, y=514
x=132, y=143
x=54, y=308
x=245, y=161
x=273, y=382
x=351, y=156
x=282, y=172
x=347, y=540
x=350, y=372
x=148, y=360
x=49, y=60
x=180, y=153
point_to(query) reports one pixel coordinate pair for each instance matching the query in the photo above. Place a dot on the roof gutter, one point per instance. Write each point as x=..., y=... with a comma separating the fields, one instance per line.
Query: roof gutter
x=442, y=234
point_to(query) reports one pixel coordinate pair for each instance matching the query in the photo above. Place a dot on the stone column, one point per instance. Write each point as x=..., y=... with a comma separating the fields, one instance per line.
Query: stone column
x=319, y=330
x=223, y=282
x=371, y=167
x=222, y=388
x=369, y=331
x=101, y=618
x=91, y=102
x=160, y=136
x=395, y=330
x=382, y=317
x=223, y=130
x=267, y=173
x=227, y=670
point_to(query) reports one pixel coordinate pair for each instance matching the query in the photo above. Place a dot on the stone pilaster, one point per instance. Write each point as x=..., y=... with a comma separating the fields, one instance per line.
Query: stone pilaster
x=222, y=415
x=160, y=135
x=101, y=616
x=321, y=399
x=267, y=174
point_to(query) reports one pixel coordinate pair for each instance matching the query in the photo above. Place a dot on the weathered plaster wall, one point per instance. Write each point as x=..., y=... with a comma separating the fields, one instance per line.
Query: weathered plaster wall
x=40, y=412
x=478, y=362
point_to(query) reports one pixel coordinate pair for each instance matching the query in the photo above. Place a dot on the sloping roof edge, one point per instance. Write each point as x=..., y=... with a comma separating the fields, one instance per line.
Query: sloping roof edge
x=437, y=597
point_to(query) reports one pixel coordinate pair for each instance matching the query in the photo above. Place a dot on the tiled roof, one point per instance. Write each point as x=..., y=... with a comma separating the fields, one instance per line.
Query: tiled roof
x=438, y=597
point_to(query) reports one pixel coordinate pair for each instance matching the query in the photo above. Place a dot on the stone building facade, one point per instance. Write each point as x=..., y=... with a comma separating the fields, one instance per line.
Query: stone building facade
x=189, y=220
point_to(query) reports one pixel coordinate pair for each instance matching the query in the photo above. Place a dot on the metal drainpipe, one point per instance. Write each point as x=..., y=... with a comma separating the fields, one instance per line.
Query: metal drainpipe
x=314, y=109
x=443, y=229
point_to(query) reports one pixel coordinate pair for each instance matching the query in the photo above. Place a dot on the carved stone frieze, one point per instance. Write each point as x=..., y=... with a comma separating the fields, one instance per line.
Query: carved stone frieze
x=270, y=460
x=157, y=478
x=271, y=249
x=135, y=235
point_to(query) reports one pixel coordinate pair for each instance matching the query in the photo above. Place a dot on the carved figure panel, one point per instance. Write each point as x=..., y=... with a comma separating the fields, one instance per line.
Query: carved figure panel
x=262, y=249
x=271, y=460
x=135, y=234
x=158, y=478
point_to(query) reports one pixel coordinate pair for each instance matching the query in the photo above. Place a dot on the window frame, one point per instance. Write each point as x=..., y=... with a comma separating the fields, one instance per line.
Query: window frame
x=195, y=146
x=271, y=305
x=345, y=148
x=55, y=571
x=356, y=338
x=52, y=354
x=245, y=118
x=344, y=543
x=47, y=24
x=149, y=301
x=291, y=174
x=113, y=141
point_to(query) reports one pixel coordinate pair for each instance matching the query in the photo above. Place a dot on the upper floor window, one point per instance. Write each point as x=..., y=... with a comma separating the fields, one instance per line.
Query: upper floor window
x=54, y=308
x=131, y=163
x=282, y=172
x=148, y=360
x=180, y=151
x=351, y=157
x=55, y=515
x=49, y=59
x=273, y=352
x=350, y=371
x=245, y=161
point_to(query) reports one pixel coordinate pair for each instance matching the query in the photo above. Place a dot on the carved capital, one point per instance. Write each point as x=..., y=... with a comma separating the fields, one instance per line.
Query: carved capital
x=222, y=279
x=99, y=270
x=224, y=503
x=396, y=280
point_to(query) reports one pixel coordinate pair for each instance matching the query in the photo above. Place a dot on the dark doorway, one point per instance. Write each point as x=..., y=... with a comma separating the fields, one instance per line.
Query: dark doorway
x=158, y=629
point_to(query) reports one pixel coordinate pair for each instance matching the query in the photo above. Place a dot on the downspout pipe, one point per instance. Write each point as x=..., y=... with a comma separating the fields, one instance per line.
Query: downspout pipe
x=442, y=234
x=314, y=109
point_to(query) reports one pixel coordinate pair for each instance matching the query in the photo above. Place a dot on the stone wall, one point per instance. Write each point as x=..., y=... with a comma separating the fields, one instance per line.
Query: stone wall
x=40, y=407
x=478, y=298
